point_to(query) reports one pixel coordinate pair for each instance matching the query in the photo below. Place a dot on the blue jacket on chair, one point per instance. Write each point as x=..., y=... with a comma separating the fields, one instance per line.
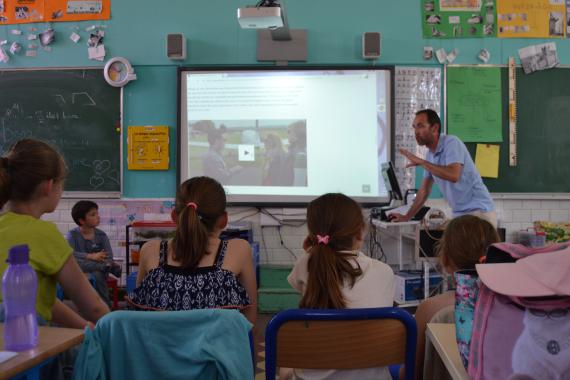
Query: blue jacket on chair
x=195, y=344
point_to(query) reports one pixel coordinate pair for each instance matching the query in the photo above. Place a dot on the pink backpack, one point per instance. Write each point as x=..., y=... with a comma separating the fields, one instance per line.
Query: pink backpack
x=521, y=324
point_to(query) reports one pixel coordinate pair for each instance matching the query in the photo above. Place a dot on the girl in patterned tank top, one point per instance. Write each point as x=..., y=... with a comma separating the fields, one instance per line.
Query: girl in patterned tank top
x=195, y=269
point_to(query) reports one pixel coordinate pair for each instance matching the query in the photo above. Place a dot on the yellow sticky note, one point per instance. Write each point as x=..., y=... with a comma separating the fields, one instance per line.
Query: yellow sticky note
x=487, y=160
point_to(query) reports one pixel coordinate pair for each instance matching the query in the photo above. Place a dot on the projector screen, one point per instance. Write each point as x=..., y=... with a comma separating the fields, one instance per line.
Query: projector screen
x=286, y=136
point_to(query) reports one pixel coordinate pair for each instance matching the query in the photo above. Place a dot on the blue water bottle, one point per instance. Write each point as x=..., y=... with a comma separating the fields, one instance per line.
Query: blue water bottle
x=19, y=288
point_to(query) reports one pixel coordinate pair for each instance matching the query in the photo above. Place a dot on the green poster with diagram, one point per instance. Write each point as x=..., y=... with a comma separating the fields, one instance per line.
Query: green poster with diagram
x=474, y=104
x=459, y=18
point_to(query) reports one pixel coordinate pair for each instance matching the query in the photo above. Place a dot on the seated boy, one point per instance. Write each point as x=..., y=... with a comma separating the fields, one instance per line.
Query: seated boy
x=91, y=246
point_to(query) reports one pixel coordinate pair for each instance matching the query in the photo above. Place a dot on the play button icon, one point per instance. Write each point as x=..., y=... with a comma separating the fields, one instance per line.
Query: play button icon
x=246, y=152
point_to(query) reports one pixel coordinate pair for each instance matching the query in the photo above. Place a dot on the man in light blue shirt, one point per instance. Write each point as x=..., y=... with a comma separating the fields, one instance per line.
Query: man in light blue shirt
x=449, y=164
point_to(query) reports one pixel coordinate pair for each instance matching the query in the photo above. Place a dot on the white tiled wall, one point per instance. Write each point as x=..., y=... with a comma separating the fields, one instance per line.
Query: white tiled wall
x=513, y=214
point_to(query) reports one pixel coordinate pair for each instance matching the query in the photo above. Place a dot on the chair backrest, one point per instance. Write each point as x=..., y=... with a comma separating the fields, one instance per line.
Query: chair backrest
x=340, y=339
x=204, y=344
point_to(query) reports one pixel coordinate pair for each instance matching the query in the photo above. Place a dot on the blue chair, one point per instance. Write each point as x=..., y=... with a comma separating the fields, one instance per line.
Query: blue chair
x=340, y=339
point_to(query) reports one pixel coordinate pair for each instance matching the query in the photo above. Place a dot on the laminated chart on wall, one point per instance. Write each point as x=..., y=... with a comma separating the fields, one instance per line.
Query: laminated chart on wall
x=474, y=103
x=26, y=11
x=531, y=18
x=416, y=88
x=458, y=18
x=148, y=148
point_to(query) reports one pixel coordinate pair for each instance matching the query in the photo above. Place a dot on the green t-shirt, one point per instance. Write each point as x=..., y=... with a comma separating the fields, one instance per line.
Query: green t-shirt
x=48, y=252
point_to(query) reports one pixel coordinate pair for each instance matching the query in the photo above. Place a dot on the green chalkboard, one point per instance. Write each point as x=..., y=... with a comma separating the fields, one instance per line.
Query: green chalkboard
x=75, y=110
x=543, y=140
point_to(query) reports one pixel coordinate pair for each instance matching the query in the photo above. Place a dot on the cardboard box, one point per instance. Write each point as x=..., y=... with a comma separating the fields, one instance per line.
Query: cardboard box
x=410, y=285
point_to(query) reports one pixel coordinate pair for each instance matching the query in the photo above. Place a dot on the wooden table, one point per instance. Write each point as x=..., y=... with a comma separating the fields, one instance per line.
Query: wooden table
x=51, y=342
x=442, y=336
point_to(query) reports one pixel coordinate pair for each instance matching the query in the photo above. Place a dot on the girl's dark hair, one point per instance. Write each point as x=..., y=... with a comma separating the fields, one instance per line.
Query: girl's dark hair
x=465, y=240
x=339, y=217
x=28, y=163
x=194, y=226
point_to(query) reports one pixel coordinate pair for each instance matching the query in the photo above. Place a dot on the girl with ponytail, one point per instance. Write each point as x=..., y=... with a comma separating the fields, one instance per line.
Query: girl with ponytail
x=335, y=274
x=195, y=269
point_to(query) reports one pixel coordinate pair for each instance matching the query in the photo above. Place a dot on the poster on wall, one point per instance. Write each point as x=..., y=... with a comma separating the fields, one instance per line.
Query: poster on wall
x=148, y=148
x=27, y=11
x=531, y=18
x=416, y=88
x=474, y=106
x=458, y=18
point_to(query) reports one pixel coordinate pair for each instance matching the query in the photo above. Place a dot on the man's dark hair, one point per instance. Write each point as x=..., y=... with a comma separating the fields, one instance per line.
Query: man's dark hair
x=214, y=135
x=432, y=118
x=81, y=208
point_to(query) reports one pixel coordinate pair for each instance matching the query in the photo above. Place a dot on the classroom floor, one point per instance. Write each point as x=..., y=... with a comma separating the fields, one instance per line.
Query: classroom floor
x=262, y=320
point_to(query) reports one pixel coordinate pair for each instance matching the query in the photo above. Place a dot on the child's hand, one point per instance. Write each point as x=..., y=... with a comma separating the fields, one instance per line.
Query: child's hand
x=98, y=256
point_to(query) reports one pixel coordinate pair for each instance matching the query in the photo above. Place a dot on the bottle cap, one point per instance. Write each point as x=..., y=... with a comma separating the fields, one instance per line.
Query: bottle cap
x=18, y=254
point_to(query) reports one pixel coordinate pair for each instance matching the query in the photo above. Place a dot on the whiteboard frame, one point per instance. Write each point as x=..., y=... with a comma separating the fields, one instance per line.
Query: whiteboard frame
x=90, y=194
x=504, y=196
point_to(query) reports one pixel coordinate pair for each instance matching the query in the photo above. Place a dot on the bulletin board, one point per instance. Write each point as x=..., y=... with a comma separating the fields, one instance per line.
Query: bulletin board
x=531, y=19
x=543, y=111
x=458, y=18
x=23, y=12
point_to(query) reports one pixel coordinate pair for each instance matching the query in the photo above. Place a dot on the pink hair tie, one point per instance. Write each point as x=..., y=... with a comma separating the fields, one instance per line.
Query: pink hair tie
x=323, y=239
x=193, y=205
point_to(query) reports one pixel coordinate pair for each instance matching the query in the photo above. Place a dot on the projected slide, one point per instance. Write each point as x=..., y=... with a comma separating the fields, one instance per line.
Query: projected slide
x=286, y=136
x=249, y=152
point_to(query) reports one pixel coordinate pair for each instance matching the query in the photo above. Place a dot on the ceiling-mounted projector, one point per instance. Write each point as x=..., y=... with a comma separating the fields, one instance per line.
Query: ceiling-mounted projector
x=260, y=17
x=275, y=41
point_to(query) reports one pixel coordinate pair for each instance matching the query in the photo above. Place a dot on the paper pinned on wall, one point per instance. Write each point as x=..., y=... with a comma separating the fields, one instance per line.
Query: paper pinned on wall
x=487, y=160
x=148, y=147
x=26, y=11
x=538, y=57
x=531, y=18
x=97, y=53
x=84, y=7
x=474, y=105
x=4, y=58
x=75, y=37
x=458, y=18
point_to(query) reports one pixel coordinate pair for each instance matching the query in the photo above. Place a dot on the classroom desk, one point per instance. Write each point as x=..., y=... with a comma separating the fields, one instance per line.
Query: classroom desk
x=442, y=336
x=51, y=341
x=395, y=233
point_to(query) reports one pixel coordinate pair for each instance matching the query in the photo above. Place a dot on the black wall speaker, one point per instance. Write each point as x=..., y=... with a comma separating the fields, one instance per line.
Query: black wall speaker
x=176, y=46
x=370, y=45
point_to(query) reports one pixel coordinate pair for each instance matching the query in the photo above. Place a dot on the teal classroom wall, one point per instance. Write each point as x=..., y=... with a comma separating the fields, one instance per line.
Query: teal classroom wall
x=137, y=31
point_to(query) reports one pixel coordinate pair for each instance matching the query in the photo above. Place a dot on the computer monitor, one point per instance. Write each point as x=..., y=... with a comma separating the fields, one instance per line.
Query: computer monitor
x=391, y=182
